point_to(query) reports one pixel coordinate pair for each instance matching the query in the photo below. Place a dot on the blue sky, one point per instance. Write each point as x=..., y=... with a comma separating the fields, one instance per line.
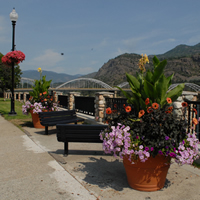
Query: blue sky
x=90, y=32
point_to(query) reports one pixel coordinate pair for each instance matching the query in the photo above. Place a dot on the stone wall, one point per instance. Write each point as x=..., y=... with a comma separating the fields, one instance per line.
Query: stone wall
x=100, y=105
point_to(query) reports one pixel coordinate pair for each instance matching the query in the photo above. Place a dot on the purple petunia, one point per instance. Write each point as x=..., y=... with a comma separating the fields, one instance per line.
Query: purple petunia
x=166, y=138
x=146, y=148
x=173, y=155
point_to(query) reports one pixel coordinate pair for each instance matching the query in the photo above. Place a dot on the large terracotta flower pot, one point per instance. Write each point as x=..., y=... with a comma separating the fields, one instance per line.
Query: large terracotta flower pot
x=149, y=175
x=36, y=120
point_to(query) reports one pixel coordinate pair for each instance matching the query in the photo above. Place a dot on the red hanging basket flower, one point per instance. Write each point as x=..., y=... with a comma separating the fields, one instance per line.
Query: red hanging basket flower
x=13, y=56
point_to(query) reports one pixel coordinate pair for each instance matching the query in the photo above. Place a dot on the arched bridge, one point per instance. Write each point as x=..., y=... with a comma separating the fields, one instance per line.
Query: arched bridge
x=86, y=83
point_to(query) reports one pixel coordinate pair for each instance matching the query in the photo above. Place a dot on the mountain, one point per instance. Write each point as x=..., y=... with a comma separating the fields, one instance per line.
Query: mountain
x=181, y=51
x=183, y=61
x=55, y=77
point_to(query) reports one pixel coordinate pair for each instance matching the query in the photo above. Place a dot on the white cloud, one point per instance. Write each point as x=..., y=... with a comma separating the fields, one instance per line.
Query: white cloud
x=48, y=59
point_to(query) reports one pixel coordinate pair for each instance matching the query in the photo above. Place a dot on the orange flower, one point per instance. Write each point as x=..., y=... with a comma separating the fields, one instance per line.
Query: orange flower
x=147, y=101
x=194, y=110
x=155, y=106
x=40, y=94
x=141, y=113
x=45, y=99
x=170, y=108
x=169, y=100
x=128, y=109
x=194, y=121
x=44, y=92
x=168, y=111
x=149, y=109
x=107, y=121
x=108, y=111
x=124, y=106
x=184, y=104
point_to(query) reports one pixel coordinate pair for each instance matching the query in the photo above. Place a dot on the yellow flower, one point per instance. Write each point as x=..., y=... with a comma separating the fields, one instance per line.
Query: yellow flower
x=142, y=62
x=39, y=69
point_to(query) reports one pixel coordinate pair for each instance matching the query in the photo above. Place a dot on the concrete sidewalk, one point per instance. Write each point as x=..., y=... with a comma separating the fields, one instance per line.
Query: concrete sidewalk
x=33, y=167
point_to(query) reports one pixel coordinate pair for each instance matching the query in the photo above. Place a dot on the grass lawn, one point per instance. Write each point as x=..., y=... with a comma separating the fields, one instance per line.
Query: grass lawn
x=20, y=119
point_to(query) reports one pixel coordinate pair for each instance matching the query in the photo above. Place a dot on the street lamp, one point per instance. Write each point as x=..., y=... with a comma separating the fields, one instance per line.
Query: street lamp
x=13, y=18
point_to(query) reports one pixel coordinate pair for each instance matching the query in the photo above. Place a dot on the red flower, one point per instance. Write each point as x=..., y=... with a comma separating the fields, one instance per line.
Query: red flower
x=155, y=106
x=13, y=56
x=141, y=113
x=184, y=104
x=128, y=109
x=194, y=110
x=147, y=101
x=170, y=108
x=149, y=109
x=169, y=100
x=108, y=111
x=115, y=105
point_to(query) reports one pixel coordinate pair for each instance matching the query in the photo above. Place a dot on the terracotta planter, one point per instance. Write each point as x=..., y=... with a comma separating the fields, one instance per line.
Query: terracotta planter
x=36, y=120
x=147, y=176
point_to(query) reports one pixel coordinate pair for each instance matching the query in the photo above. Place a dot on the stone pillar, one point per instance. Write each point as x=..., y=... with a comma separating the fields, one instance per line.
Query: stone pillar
x=19, y=96
x=71, y=100
x=100, y=105
x=24, y=97
x=4, y=95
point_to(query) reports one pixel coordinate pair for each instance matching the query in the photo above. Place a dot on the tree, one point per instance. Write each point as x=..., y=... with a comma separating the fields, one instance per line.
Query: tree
x=6, y=76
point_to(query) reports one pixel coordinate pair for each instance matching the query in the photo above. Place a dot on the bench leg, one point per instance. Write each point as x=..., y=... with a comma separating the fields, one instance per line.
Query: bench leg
x=46, y=130
x=65, y=148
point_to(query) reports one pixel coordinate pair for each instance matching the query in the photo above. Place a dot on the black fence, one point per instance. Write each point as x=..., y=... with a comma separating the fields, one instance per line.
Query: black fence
x=63, y=101
x=116, y=103
x=85, y=105
x=191, y=114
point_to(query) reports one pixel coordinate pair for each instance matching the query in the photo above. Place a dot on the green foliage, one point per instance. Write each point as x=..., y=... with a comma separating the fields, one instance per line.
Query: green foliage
x=40, y=86
x=153, y=85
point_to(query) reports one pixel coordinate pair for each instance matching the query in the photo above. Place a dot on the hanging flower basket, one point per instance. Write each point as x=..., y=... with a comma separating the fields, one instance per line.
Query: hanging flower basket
x=13, y=56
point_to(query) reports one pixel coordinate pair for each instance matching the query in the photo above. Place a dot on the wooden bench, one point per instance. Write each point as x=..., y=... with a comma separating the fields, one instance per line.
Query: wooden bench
x=78, y=133
x=58, y=117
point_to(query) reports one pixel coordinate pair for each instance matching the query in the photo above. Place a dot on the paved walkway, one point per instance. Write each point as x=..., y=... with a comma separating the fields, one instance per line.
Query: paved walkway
x=32, y=167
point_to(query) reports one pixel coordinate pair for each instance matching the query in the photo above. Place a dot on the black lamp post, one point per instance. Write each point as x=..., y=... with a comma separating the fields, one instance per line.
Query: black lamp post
x=13, y=18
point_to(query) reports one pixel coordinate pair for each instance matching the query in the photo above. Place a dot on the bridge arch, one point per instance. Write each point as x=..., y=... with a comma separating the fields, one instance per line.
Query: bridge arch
x=24, y=80
x=101, y=83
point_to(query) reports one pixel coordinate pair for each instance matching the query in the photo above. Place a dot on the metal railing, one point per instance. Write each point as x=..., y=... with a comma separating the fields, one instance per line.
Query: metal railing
x=63, y=101
x=85, y=105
